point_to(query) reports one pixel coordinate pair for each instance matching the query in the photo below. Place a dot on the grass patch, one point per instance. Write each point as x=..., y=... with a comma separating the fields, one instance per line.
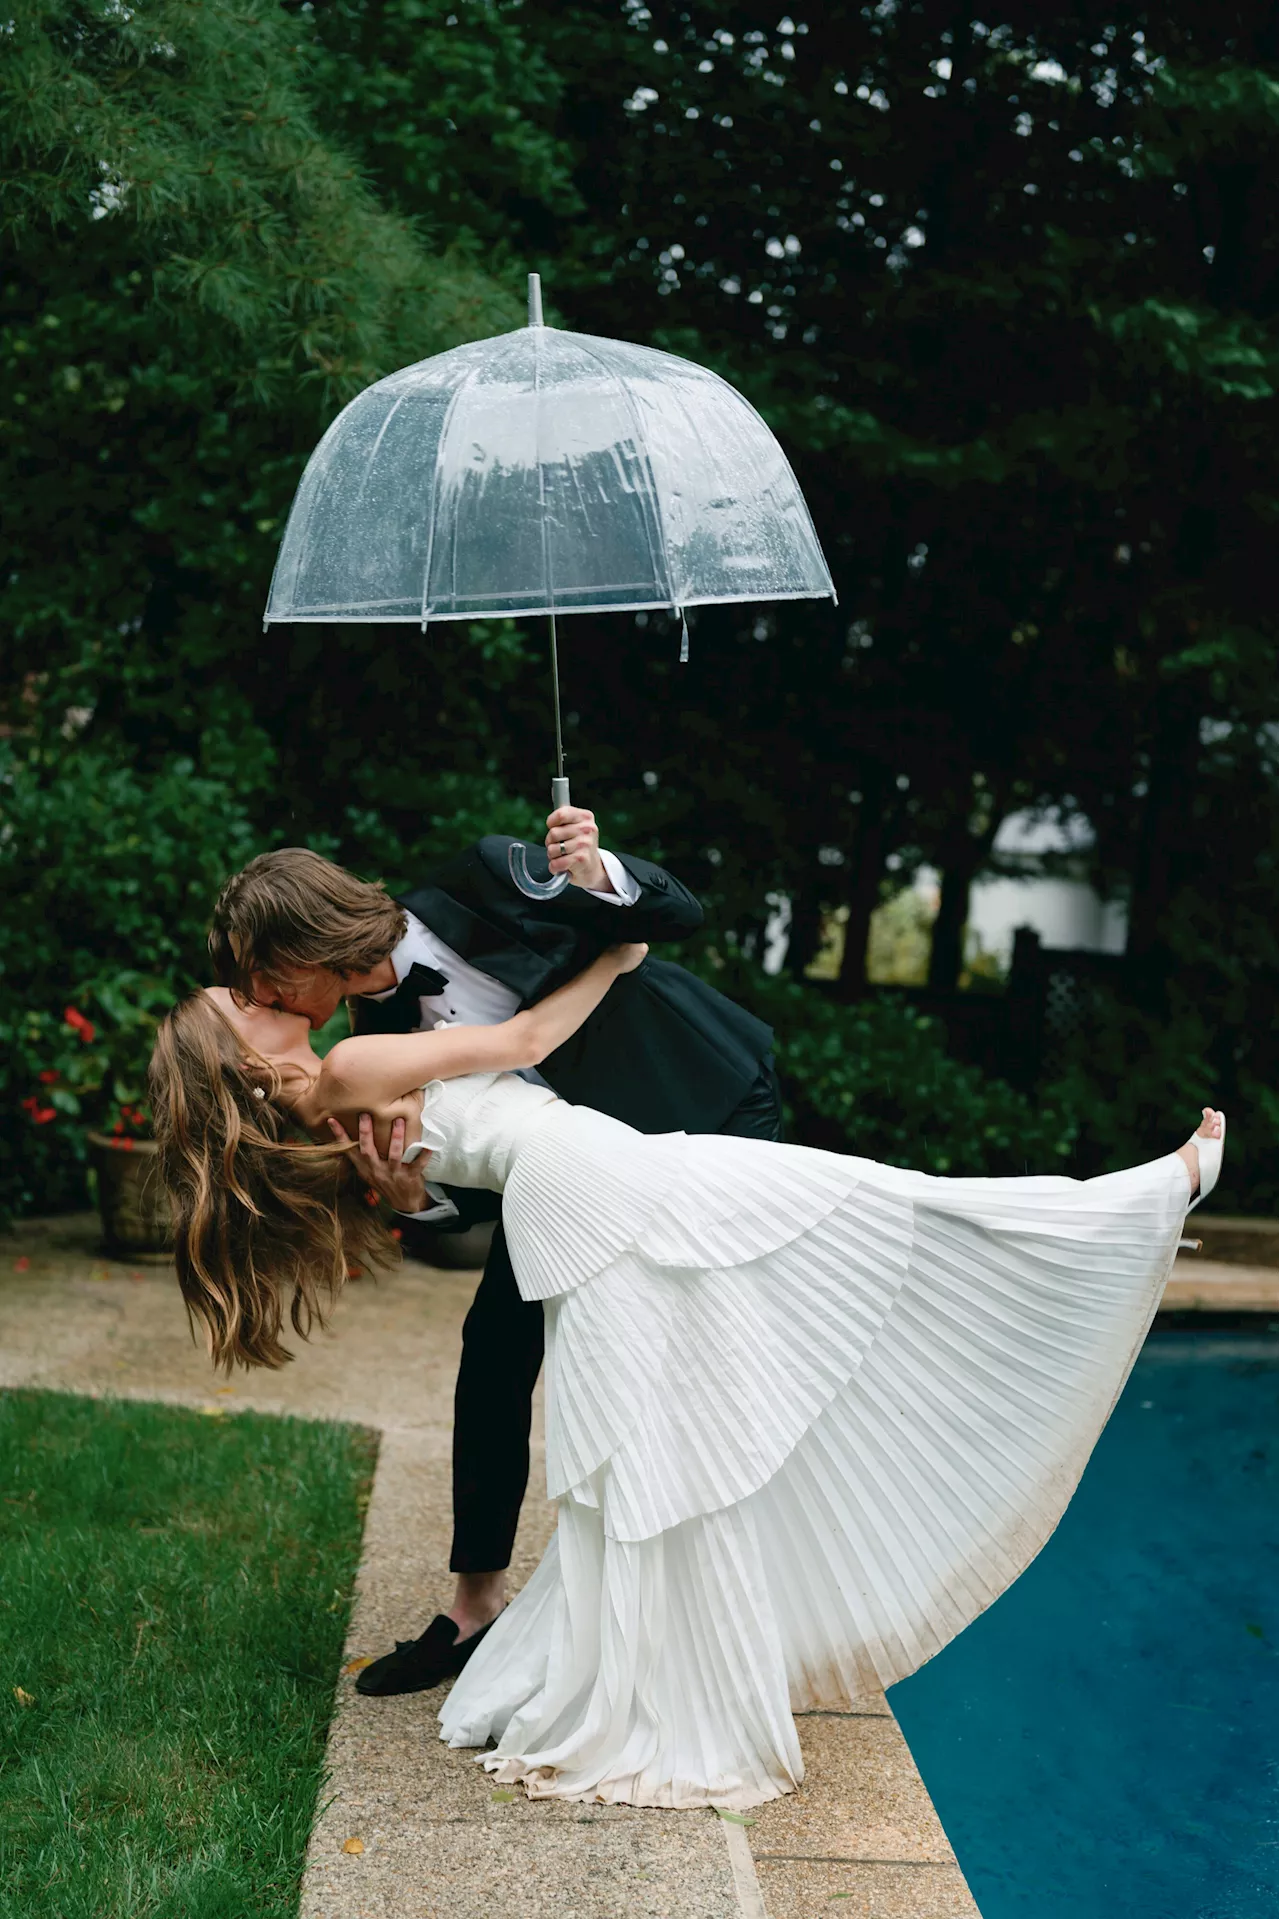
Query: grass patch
x=174, y=1596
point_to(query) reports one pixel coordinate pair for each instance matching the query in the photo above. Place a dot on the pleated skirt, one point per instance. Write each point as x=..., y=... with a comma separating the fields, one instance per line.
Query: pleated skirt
x=807, y=1417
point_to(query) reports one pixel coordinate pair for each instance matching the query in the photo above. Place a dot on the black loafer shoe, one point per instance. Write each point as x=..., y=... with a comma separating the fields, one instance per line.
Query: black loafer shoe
x=418, y=1664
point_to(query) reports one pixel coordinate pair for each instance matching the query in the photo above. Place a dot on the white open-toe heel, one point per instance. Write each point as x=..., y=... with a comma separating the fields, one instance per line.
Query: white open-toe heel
x=1209, y=1155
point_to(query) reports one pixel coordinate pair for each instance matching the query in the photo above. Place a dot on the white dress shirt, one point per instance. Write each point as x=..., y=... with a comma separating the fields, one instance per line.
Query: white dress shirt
x=473, y=998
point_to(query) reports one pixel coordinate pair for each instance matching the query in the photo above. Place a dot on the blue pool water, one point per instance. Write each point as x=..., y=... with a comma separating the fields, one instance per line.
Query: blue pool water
x=1101, y=1744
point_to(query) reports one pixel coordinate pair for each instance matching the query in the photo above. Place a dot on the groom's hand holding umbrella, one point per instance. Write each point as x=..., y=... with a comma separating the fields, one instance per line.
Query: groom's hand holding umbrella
x=573, y=847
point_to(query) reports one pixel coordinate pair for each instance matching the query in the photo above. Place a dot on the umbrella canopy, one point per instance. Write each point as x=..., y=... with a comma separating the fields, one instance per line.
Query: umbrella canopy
x=544, y=472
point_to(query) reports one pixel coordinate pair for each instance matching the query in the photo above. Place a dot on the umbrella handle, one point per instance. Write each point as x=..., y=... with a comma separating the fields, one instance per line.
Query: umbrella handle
x=518, y=861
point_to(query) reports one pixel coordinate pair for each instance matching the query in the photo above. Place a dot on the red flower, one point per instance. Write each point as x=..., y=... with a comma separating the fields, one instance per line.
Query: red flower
x=370, y=1197
x=41, y=1115
x=80, y=1024
x=125, y=1145
x=396, y=1233
x=48, y=1077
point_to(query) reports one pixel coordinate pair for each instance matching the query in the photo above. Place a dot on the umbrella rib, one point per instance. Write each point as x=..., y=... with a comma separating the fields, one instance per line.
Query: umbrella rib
x=374, y=449
x=642, y=452
x=312, y=504
x=743, y=401
x=445, y=424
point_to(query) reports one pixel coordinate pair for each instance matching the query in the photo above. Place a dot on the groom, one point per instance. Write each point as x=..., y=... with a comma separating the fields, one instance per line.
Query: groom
x=664, y=1052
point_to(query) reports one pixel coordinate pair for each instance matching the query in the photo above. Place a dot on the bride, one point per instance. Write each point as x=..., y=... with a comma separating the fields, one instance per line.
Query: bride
x=807, y=1415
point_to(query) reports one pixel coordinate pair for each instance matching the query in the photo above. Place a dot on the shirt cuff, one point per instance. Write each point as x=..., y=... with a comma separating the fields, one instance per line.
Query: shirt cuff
x=626, y=887
x=443, y=1209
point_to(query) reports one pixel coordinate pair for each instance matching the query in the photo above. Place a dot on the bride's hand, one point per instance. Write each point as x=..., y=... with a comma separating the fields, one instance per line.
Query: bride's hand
x=629, y=957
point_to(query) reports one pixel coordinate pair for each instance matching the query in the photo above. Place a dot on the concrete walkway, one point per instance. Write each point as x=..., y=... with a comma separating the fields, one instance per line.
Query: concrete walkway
x=1235, y=1272
x=408, y=1829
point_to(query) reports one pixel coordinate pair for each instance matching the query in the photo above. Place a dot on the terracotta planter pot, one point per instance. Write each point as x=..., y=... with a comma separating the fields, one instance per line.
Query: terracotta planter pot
x=136, y=1221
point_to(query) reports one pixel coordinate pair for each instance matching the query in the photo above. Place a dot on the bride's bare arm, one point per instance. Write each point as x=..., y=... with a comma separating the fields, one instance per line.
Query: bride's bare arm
x=373, y=1068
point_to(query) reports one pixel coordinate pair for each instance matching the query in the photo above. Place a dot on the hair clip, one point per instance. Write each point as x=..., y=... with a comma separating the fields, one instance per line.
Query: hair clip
x=259, y=1092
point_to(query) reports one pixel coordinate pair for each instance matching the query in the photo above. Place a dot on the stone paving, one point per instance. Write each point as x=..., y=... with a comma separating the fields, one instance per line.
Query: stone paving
x=436, y=1839
x=1210, y=1285
x=1235, y=1272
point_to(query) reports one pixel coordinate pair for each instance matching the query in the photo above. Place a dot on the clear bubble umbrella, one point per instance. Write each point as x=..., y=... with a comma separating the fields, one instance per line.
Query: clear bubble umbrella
x=544, y=472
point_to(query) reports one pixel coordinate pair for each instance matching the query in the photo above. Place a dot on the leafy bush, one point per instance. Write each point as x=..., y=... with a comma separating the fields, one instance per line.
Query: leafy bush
x=88, y=1068
x=874, y=1078
x=111, y=871
x=1138, y=1084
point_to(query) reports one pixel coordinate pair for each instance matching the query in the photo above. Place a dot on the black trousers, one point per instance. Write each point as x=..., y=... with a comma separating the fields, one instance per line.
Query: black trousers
x=501, y=1359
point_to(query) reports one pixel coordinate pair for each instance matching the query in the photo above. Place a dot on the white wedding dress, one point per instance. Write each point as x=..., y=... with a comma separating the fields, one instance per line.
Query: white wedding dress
x=807, y=1416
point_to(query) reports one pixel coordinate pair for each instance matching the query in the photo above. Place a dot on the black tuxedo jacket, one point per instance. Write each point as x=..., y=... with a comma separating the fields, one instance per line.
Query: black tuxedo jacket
x=664, y=1052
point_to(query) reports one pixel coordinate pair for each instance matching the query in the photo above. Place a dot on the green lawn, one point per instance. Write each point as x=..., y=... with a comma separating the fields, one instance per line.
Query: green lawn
x=174, y=1593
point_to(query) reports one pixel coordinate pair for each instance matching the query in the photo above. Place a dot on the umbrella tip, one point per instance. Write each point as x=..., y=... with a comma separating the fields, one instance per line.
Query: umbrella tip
x=535, y=299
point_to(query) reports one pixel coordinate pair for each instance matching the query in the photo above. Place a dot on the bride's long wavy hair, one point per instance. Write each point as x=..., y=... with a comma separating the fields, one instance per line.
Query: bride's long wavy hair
x=261, y=1215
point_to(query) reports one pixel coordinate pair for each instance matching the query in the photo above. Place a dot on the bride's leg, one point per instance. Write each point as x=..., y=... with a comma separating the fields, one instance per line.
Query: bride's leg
x=1210, y=1127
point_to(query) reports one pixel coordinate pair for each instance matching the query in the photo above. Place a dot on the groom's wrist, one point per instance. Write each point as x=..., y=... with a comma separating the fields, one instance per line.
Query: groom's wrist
x=439, y=1210
x=619, y=887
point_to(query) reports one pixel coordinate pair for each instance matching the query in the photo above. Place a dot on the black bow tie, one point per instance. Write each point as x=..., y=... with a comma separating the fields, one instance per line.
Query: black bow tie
x=400, y=1012
x=420, y=982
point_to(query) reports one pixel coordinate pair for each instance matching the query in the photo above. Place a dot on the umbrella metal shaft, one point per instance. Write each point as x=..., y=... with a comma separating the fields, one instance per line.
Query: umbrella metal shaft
x=555, y=689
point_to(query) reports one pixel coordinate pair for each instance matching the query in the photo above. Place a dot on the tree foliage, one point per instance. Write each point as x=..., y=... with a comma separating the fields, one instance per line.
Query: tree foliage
x=1002, y=291
x=196, y=275
x=1005, y=295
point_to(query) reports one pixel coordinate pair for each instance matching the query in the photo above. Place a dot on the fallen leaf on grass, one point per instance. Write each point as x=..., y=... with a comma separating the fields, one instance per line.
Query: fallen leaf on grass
x=21, y=1265
x=358, y=1665
x=353, y=1845
x=214, y=1412
x=23, y=1698
x=734, y=1818
x=502, y=1798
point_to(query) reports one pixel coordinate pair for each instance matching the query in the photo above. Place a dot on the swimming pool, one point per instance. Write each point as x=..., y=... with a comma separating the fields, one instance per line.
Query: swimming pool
x=1101, y=1742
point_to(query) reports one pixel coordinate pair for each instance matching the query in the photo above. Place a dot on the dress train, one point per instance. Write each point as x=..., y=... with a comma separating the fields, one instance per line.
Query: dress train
x=807, y=1417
